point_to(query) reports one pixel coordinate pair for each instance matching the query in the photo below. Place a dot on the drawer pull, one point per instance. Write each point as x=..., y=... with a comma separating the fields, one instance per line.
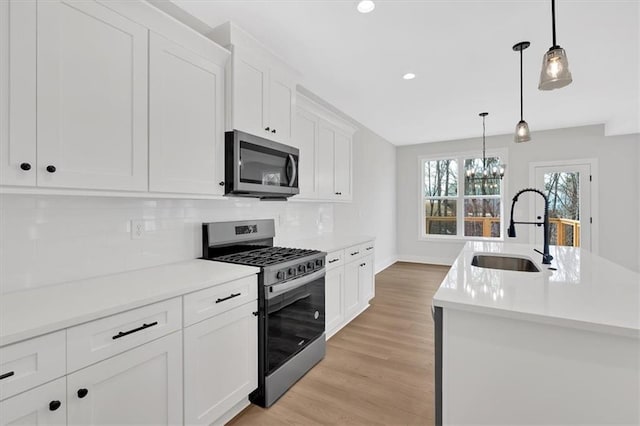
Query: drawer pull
x=228, y=297
x=362, y=264
x=369, y=248
x=142, y=327
x=54, y=405
x=5, y=375
x=82, y=392
x=354, y=253
x=334, y=260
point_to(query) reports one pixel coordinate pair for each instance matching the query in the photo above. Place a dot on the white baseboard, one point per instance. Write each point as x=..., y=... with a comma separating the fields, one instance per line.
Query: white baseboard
x=385, y=264
x=426, y=259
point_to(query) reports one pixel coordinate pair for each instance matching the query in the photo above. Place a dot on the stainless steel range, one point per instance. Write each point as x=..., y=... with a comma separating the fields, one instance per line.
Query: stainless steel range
x=291, y=310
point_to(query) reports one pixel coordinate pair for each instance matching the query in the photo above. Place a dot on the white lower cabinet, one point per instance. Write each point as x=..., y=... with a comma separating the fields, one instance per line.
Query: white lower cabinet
x=44, y=405
x=334, y=293
x=220, y=363
x=349, y=285
x=140, y=386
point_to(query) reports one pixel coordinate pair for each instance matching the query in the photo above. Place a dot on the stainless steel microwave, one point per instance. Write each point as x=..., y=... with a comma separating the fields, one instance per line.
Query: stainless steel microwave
x=258, y=167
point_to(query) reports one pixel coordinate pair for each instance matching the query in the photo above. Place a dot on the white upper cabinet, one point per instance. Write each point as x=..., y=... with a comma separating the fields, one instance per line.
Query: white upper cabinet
x=18, y=92
x=186, y=107
x=261, y=88
x=325, y=143
x=92, y=97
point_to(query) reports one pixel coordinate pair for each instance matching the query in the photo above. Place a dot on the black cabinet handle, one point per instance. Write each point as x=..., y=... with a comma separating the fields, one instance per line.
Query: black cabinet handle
x=267, y=129
x=354, y=253
x=369, y=248
x=273, y=131
x=5, y=375
x=126, y=333
x=362, y=264
x=221, y=183
x=25, y=166
x=228, y=297
x=82, y=392
x=51, y=169
x=338, y=193
x=255, y=314
x=333, y=260
x=54, y=405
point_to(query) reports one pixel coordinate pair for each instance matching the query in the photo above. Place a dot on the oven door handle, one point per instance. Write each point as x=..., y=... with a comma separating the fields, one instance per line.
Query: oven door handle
x=278, y=289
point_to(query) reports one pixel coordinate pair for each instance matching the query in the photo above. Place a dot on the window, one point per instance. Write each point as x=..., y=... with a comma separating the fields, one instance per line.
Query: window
x=454, y=206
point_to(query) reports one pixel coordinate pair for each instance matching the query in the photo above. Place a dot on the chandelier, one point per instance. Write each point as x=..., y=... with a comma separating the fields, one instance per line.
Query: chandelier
x=489, y=174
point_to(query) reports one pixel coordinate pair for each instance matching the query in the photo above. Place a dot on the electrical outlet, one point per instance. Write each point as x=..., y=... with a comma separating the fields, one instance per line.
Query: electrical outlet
x=137, y=229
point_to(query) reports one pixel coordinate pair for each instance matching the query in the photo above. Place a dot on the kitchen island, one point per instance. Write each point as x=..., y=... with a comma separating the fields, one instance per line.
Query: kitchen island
x=556, y=346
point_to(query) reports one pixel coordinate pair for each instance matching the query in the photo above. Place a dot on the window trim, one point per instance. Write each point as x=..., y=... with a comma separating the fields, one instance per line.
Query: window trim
x=503, y=154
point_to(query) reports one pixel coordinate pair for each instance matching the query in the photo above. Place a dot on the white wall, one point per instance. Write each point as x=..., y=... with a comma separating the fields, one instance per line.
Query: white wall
x=618, y=187
x=51, y=239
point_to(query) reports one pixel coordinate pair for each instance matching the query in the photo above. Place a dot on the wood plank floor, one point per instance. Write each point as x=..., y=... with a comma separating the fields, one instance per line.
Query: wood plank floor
x=378, y=369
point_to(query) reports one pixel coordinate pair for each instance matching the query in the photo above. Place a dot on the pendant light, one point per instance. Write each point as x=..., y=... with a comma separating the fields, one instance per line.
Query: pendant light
x=555, y=65
x=488, y=175
x=522, y=128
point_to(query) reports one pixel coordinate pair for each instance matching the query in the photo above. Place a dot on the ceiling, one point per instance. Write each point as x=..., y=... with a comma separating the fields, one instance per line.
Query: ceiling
x=462, y=56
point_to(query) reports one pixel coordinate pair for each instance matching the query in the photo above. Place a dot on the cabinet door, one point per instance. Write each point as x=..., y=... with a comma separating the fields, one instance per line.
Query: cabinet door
x=18, y=92
x=221, y=364
x=44, y=405
x=141, y=386
x=351, y=289
x=326, y=156
x=281, y=103
x=342, y=168
x=334, y=313
x=250, y=87
x=366, y=279
x=186, y=137
x=92, y=97
x=305, y=140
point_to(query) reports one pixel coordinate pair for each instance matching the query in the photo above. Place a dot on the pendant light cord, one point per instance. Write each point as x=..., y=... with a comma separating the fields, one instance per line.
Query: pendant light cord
x=521, y=96
x=553, y=21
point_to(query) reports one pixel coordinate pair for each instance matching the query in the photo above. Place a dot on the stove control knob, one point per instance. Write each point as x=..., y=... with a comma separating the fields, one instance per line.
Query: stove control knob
x=318, y=262
x=302, y=268
x=280, y=275
x=291, y=271
x=310, y=265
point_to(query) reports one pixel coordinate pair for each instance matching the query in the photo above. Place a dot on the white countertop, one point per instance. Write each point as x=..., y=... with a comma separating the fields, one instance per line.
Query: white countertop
x=586, y=291
x=328, y=242
x=29, y=313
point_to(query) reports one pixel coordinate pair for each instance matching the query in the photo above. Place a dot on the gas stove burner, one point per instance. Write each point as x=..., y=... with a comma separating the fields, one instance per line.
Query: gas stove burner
x=266, y=256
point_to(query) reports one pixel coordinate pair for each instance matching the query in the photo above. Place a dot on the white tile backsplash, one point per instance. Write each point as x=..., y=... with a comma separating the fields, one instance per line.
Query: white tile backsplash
x=51, y=239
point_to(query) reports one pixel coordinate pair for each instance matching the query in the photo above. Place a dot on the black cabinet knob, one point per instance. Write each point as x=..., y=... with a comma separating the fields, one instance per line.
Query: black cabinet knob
x=54, y=405
x=273, y=131
x=25, y=166
x=82, y=392
x=51, y=169
x=267, y=129
x=221, y=183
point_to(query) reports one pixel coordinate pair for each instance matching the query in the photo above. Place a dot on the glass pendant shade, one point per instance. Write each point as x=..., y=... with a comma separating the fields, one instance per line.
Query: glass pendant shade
x=522, y=132
x=555, y=70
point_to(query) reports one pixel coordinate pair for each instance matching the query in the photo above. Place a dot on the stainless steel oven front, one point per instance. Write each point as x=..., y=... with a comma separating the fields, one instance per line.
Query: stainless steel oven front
x=293, y=340
x=258, y=167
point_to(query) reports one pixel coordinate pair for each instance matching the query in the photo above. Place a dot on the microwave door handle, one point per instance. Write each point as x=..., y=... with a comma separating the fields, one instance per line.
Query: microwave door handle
x=294, y=167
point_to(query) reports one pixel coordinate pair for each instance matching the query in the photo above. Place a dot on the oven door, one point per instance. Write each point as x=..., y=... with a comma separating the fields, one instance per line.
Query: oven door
x=261, y=166
x=294, y=317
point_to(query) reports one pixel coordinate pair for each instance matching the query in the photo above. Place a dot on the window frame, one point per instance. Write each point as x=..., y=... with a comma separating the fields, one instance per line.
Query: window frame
x=460, y=157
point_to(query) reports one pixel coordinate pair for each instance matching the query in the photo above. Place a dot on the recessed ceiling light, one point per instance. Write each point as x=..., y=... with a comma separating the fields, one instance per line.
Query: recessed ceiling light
x=366, y=6
x=409, y=76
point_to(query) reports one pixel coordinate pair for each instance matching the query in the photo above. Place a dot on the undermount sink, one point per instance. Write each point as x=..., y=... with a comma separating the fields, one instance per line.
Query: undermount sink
x=507, y=263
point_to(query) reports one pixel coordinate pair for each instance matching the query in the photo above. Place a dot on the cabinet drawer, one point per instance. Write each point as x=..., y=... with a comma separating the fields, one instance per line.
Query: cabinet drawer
x=335, y=259
x=212, y=301
x=367, y=248
x=27, y=364
x=94, y=341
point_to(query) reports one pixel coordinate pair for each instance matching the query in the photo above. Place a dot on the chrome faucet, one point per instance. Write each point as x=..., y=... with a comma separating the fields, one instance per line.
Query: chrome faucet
x=546, y=257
